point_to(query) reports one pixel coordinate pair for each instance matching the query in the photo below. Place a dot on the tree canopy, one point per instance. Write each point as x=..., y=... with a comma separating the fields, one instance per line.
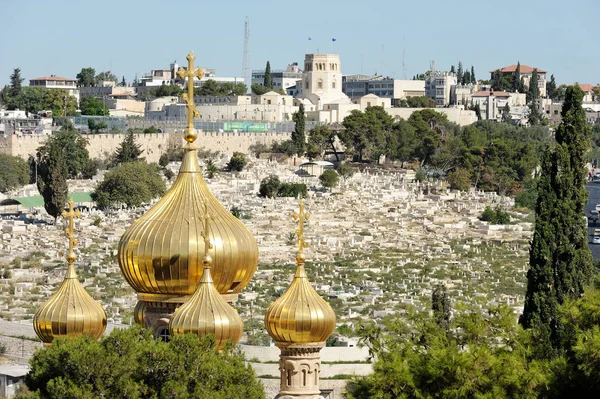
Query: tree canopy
x=298, y=136
x=130, y=184
x=560, y=260
x=89, y=105
x=237, y=162
x=130, y=363
x=129, y=150
x=14, y=172
x=220, y=89
x=52, y=170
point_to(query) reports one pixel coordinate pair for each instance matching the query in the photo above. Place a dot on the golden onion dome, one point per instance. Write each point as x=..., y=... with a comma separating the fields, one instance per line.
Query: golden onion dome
x=206, y=312
x=300, y=315
x=161, y=252
x=70, y=311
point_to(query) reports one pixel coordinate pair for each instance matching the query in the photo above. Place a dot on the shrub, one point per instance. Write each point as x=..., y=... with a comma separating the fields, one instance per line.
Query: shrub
x=495, y=215
x=460, y=179
x=237, y=162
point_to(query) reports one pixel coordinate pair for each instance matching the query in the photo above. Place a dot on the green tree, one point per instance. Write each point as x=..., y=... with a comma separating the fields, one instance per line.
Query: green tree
x=237, y=162
x=459, y=73
x=298, y=136
x=260, y=90
x=516, y=79
x=506, y=118
x=329, y=178
x=130, y=363
x=123, y=82
x=89, y=105
x=269, y=186
x=60, y=102
x=420, y=102
x=533, y=94
x=320, y=139
x=106, y=76
x=96, y=126
x=345, y=171
x=52, y=179
x=366, y=133
x=466, y=78
x=86, y=78
x=268, y=82
x=460, y=179
x=131, y=184
x=166, y=90
x=14, y=172
x=473, y=79
x=259, y=148
x=551, y=88
x=536, y=115
x=73, y=146
x=15, y=82
x=129, y=150
x=440, y=304
x=559, y=258
x=452, y=69
x=211, y=169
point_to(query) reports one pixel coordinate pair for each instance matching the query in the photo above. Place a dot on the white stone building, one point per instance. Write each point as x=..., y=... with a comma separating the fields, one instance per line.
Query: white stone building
x=282, y=79
x=56, y=82
x=438, y=86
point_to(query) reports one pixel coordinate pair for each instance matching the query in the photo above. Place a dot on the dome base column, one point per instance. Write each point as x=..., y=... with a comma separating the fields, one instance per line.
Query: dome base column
x=300, y=368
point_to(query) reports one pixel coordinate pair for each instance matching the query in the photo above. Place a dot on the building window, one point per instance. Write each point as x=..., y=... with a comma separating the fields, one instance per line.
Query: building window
x=163, y=334
x=320, y=84
x=333, y=84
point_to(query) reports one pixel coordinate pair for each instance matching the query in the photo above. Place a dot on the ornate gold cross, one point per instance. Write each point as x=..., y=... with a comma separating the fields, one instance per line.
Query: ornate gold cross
x=190, y=73
x=70, y=216
x=301, y=216
x=206, y=232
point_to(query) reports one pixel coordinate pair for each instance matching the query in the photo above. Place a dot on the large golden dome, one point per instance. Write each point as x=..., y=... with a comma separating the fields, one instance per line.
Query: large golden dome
x=70, y=311
x=160, y=254
x=300, y=315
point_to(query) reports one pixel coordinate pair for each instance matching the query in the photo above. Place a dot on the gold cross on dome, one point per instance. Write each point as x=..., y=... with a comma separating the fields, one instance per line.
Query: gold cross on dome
x=301, y=216
x=70, y=216
x=206, y=232
x=188, y=97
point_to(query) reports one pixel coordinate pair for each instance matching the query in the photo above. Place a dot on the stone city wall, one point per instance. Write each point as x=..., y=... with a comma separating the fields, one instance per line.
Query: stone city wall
x=153, y=144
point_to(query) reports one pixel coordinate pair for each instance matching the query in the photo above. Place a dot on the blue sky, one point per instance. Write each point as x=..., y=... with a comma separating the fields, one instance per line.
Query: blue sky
x=127, y=37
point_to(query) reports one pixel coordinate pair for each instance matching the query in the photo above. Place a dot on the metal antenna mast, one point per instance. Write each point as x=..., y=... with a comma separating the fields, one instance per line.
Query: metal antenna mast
x=404, y=59
x=245, y=62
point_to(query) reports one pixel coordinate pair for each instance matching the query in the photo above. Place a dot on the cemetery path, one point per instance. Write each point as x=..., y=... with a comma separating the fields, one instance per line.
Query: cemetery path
x=594, y=198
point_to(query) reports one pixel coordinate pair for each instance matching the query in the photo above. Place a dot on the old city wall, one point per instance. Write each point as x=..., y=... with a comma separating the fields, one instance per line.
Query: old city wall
x=153, y=144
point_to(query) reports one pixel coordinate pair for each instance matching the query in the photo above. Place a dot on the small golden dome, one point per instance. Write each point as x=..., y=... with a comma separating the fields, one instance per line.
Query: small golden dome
x=300, y=315
x=70, y=311
x=161, y=252
x=206, y=312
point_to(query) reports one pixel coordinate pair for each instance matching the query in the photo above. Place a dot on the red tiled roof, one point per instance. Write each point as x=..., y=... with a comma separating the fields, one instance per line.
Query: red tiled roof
x=491, y=93
x=524, y=69
x=54, y=78
x=586, y=87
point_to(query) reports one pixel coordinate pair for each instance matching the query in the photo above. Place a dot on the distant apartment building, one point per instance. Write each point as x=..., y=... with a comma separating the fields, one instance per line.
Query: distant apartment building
x=56, y=82
x=493, y=103
x=462, y=94
x=526, y=74
x=588, y=93
x=438, y=86
x=356, y=86
x=282, y=79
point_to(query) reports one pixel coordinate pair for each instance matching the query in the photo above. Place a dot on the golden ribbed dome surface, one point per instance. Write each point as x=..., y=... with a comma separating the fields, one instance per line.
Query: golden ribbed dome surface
x=206, y=312
x=161, y=252
x=70, y=311
x=300, y=315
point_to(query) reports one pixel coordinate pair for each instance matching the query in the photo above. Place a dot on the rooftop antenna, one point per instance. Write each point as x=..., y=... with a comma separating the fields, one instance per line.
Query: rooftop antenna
x=432, y=66
x=245, y=61
x=404, y=59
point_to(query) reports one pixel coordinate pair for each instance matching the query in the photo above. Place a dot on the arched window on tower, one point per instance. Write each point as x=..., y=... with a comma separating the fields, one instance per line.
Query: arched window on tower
x=163, y=334
x=333, y=84
x=320, y=84
x=304, y=379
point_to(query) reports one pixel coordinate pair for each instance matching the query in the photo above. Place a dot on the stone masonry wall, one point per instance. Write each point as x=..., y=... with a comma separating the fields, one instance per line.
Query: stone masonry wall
x=153, y=144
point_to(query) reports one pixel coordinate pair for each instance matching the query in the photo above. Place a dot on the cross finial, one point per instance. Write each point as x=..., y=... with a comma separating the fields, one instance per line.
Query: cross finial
x=206, y=232
x=300, y=216
x=190, y=73
x=70, y=216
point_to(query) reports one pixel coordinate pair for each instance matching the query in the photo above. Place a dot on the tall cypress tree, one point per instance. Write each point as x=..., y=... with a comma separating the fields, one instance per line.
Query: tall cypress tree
x=268, y=83
x=559, y=257
x=452, y=69
x=15, y=82
x=473, y=80
x=52, y=180
x=534, y=91
x=298, y=135
x=459, y=73
x=551, y=88
x=516, y=82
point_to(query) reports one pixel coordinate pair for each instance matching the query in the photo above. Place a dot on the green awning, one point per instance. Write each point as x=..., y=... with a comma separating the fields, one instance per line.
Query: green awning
x=38, y=200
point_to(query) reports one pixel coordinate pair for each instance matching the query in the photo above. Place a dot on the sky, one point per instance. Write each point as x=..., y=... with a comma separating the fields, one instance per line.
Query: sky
x=59, y=37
